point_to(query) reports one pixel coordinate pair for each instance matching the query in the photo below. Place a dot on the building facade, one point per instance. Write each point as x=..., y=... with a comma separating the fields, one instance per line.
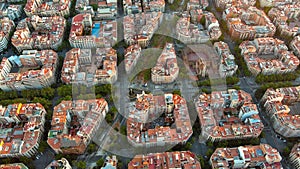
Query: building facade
x=294, y=156
x=85, y=33
x=59, y=164
x=36, y=70
x=177, y=159
x=295, y=46
x=139, y=28
x=227, y=67
x=286, y=18
x=228, y=115
x=261, y=156
x=90, y=66
x=268, y=56
x=74, y=123
x=248, y=23
x=13, y=166
x=166, y=69
x=6, y=28
x=23, y=129
x=132, y=54
x=39, y=33
x=278, y=106
x=140, y=129
x=41, y=8
x=137, y=6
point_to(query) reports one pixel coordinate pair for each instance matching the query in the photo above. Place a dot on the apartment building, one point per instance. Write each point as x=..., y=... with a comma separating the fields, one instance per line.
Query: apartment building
x=10, y=10
x=12, y=1
x=197, y=4
x=39, y=33
x=228, y=115
x=45, y=8
x=286, y=18
x=268, y=56
x=82, y=5
x=59, y=164
x=110, y=163
x=224, y=4
x=260, y=156
x=295, y=46
x=212, y=26
x=13, y=166
x=280, y=107
x=132, y=7
x=272, y=3
x=21, y=130
x=188, y=32
x=294, y=156
x=137, y=6
x=31, y=70
x=248, y=23
x=139, y=28
x=166, y=69
x=196, y=62
x=74, y=123
x=85, y=33
x=132, y=54
x=228, y=67
x=90, y=66
x=146, y=129
x=107, y=9
x=177, y=159
x=6, y=28
x=85, y=7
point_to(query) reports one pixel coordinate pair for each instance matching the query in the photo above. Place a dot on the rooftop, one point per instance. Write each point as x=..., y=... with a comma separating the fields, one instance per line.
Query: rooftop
x=296, y=150
x=228, y=66
x=166, y=69
x=140, y=26
x=178, y=159
x=277, y=103
x=92, y=33
x=47, y=8
x=246, y=156
x=252, y=51
x=59, y=164
x=13, y=166
x=132, y=54
x=39, y=33
x=248, y=23
x=286, y=18
x=37, y=65
x=295, y=45
x=71, y=121
x=172, y=126
x=226, y=115
x=16, y=138
x=6, y=27
x=90, y=66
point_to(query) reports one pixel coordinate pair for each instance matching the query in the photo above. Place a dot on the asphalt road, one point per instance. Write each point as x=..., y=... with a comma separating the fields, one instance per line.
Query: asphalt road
x=246, y=83
x=44, y=159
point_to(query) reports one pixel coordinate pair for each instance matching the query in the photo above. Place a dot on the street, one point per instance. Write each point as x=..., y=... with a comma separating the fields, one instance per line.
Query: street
x=111, y=141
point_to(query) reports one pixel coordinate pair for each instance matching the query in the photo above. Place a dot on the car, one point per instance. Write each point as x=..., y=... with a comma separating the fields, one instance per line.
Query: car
x=37, y=157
